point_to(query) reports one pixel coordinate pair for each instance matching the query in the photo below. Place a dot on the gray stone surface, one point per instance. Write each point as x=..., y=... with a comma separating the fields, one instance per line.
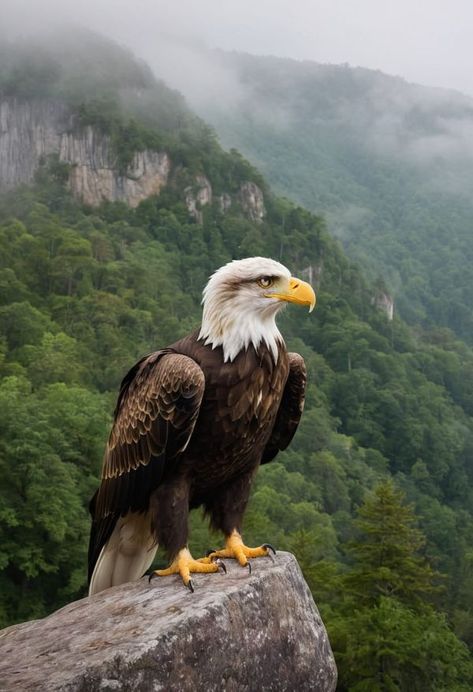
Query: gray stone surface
x=236, y=632
x=32, y=130
x=252, y=201
x=198, y=196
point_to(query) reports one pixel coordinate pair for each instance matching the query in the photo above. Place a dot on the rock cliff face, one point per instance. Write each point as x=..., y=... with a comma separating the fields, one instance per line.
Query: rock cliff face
x=200, y=194
x=29, y=130
x=33, y=130
x=384, y=302
x=312, y=274
x=252, y=201
x=235, y=633
x=198, y=197
x=94, y=178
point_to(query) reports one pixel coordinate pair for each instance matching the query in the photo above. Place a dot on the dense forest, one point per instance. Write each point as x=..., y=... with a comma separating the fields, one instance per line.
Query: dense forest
x=375, y=494
x=390, y=165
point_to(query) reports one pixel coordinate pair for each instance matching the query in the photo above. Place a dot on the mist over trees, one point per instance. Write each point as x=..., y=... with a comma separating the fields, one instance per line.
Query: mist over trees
x=374, y=496
x=390, y=165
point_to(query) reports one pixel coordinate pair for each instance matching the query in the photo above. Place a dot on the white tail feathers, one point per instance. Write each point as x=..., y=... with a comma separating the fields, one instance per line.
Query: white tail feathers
x=126, y=556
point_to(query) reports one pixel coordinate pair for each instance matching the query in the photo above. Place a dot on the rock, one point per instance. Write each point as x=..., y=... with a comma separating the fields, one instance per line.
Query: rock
x=199, y=197
x=252, y=201
x=224, y=202
x=33, y=130
x=94, y=177
x=236, y=632
x=312, y=274
x=29, y=130
x=383, y=301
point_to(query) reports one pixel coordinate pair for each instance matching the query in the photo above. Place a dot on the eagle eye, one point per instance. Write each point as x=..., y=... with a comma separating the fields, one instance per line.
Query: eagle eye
x=265, y=281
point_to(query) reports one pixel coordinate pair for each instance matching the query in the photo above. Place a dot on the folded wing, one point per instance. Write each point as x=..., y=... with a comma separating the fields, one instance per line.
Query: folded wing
x=157, y=409
x=290, y=409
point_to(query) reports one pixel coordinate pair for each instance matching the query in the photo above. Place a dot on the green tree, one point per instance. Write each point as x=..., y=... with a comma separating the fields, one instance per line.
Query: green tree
x=391, y=648
x=50, y=449
x=386, y=635
x=386, y=555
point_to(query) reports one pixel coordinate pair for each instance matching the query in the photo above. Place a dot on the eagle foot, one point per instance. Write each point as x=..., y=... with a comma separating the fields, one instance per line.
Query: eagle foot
x=235, y=548
x=185, y=565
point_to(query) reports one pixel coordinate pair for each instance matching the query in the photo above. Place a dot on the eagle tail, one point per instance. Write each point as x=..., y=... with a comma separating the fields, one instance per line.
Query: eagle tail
x=127, y=553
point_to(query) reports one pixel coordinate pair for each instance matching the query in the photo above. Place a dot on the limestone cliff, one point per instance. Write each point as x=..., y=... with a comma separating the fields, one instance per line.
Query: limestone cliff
x=94, y=177
x=251, y=198
x=33, y=130
x=30, y=131
x=236, y=632
x=198, y=196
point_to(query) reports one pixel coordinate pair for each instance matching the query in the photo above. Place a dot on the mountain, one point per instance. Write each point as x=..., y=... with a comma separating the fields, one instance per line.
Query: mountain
x=88, y=284
x=390, y=165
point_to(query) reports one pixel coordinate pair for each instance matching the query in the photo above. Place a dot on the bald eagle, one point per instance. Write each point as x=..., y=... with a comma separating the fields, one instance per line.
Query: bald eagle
x=192, y=424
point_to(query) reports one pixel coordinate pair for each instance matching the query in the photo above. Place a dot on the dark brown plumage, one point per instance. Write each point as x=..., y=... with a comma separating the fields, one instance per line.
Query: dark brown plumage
x=190, y=430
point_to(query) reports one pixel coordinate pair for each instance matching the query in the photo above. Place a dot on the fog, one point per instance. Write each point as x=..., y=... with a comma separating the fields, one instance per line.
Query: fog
x=423, y=42
x=427, y=41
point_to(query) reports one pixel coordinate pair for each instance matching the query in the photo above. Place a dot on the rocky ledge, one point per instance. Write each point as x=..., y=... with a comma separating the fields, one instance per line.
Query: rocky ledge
x=236, y=632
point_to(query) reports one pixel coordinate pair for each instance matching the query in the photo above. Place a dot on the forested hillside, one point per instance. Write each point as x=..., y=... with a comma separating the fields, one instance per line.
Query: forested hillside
x=389, y=163
x=384, y=454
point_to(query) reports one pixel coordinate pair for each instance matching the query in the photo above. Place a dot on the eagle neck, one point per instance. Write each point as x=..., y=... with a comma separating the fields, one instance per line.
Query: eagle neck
x=238, y=332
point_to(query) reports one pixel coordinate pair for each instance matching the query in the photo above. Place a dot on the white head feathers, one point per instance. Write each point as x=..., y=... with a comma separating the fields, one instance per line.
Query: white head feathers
x=237, y=309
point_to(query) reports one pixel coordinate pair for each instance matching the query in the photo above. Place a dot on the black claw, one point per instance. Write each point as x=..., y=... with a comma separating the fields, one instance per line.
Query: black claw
x=209, y=552
x=269, y=547
x=190, y=586
x=248, y=564
x=220, y=563
x=151, y=576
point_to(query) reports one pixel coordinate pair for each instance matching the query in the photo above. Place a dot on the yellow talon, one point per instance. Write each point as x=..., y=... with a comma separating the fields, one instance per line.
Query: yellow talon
x=235, y=548
x=184, y=564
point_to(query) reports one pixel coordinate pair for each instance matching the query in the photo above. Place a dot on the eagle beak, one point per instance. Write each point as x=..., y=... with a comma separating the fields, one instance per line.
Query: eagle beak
x=298, y=292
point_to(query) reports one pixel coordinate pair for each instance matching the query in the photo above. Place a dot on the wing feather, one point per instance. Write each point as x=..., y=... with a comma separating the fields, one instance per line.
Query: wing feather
x=290, y=409
x=156, y=412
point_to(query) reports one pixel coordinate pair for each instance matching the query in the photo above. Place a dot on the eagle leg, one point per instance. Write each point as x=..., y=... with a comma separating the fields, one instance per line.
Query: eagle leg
x=235, y=548
x=185, y=565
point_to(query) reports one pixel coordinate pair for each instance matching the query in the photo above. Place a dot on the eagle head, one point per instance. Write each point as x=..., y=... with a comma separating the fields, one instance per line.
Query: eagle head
x=241, y=301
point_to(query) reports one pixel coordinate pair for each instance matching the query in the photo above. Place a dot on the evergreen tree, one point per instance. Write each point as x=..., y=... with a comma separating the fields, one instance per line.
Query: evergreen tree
x=387, y=554
x=386, y=636
x=391, y=648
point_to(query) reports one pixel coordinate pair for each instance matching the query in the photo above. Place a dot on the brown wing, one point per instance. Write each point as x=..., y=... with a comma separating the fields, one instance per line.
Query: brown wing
x=155, y=416
x=290, y=409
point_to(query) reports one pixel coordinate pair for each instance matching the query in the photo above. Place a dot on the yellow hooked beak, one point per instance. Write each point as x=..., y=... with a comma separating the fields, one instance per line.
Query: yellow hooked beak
x=299, y=292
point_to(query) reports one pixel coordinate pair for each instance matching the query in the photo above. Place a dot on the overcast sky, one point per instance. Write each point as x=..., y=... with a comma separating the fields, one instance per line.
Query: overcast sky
x=425, y=41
